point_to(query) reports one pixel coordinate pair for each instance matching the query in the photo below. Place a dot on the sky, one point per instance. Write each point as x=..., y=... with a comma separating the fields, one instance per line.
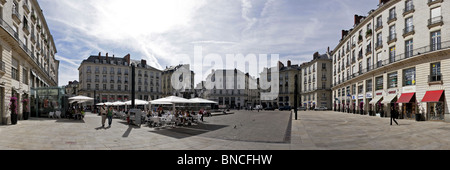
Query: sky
x=172, y=32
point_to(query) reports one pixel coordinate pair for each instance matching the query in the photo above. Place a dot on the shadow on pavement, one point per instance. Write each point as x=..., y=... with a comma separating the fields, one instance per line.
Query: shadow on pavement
x=128, y=131
x=187, y=131
x=69, y=121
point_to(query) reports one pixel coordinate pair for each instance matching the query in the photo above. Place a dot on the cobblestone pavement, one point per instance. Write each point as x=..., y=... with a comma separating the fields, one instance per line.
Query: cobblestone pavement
x=242, y=130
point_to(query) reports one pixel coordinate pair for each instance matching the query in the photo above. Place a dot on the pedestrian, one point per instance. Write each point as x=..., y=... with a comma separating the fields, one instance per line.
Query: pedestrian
x=103, y=111
x=110, y=115
x=201, y=112
x=394, y=114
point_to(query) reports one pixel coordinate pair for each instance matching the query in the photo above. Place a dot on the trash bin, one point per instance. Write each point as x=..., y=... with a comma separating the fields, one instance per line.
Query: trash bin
x=418, y=117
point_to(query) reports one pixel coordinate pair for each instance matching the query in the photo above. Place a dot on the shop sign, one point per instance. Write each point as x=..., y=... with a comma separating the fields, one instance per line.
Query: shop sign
x=53, y=92
x=392, y=91
x=369, y=95
x=409, y=89
x=379, y=93
x=361, y=96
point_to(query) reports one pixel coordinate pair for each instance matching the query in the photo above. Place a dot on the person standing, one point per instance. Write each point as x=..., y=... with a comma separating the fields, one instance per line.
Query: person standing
x=110, y=115
x=103, y=111
x=201, y=112
x=394, y=114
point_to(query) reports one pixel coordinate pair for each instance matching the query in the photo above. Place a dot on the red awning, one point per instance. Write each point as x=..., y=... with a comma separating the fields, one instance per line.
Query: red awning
x=433, y=96
x=406, y=98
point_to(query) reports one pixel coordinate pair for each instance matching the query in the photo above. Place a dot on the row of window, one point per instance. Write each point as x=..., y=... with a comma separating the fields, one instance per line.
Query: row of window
x=119, y=88
x=435, y=44
x=435, y=17
x=409, y=79
x=119, y=71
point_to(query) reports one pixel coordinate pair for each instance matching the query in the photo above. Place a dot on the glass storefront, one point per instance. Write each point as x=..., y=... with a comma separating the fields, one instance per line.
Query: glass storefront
x=45, y=100
x=435, y=111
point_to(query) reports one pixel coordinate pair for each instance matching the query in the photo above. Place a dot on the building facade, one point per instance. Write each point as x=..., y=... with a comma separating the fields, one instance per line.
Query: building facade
x=110, y=79
x=395, y=56
x=316, y=81
x=233, y=89
x=287, y=84
x=27, y=54
x=185, y=81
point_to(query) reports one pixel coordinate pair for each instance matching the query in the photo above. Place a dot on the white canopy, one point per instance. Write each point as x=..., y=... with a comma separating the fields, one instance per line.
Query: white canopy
x=118, y=103
x=108, y=103
x=204, y=101
x=137, y=102
x=389, y=98
x=172, y=99
x=375, y=99
x=80, y=99
x=159, y=103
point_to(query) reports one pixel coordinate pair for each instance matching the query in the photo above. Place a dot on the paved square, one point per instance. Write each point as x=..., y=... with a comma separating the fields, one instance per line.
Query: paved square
x=245, y=130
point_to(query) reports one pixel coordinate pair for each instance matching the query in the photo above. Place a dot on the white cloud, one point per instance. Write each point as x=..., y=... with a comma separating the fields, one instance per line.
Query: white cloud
x=158, y=30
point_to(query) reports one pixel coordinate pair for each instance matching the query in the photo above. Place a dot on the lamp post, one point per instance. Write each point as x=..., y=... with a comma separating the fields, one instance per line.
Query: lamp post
x=296, y=96
x=133, y=86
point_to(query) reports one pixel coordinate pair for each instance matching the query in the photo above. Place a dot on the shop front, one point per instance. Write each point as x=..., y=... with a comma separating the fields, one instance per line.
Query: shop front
x=376, y=102
x=435, y=105
x=389, y=101
x=369, y=107
x=409, y=106
x=353, y=107
x=46, y=100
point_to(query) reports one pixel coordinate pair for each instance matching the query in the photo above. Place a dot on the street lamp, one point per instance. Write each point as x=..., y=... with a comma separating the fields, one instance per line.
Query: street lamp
x=296, y=96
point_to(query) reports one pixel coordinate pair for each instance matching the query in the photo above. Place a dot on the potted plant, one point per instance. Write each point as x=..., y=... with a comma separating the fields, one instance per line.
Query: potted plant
x=13, y=109
x=26, y=110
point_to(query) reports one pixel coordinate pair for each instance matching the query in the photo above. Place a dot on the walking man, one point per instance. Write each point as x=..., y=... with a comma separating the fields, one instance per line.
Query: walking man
x=110, y=115
x=394, y=114
x=103, y=111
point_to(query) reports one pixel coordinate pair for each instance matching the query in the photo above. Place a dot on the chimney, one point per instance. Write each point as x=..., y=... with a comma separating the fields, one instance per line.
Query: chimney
x=289, y=63
x=127, y=58
x=280, y=65
x=143, y=63
x=328, y=50
x=99, y=55
x=383, y=2
x=358, y=19
x=106, y=56
x=344, y=33
x=316, y=55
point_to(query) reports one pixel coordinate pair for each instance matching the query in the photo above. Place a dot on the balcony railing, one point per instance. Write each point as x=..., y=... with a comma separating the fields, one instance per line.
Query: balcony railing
x=436, y=21
x=16, y=15
x=392, y=18
x=395, y=59
x=432, y=2
x=379, y=45
x=14, y=34
x=409, y=9
x=392, y=38
x=408, y=31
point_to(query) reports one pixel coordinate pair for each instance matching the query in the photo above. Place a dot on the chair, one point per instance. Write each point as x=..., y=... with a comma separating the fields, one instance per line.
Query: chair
x=58, y=114
x=169, y=120
x=51, y=114
x=197, y=118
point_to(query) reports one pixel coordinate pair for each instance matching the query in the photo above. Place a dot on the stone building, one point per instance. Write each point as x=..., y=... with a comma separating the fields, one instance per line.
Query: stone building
x=27, y=54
